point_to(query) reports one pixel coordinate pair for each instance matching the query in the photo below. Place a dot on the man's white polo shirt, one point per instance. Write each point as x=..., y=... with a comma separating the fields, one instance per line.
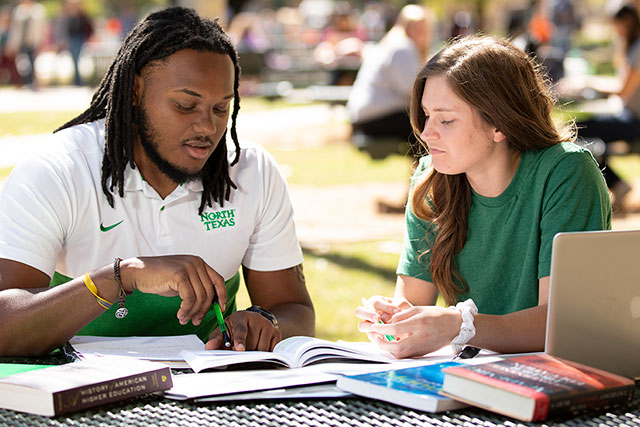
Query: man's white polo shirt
x=54, y=215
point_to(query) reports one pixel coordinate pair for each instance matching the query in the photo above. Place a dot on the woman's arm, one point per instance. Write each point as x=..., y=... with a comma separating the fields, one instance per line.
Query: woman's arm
x=629, y=85
x=518, y=332
x=416, y=291
x=425, y=328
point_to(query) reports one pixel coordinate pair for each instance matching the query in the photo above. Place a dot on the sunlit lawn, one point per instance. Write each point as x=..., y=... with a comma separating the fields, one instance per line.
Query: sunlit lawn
x=337, y=164
x=337, y=280
x=33, y=122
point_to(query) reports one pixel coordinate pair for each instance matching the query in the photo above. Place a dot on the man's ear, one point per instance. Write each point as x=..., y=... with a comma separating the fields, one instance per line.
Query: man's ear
x=138, y=89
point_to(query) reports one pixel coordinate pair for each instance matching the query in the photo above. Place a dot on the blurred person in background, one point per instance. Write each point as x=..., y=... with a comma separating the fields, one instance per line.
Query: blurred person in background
x=247, y=32
x=518, y=32
x=462, y=24
x=376, y=18
x=28, y=21
x=128, y=17
x=341, y=44
x=8, y=72
x=624, y=125
x=379, y=101
x=77, y=28
x=566, y=22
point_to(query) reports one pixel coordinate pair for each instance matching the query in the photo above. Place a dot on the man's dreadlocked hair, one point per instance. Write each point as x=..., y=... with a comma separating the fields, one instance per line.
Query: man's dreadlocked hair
x=158, y=36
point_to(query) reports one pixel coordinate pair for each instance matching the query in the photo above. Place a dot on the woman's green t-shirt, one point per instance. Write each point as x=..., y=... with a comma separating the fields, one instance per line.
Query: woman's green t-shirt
x=509, y=237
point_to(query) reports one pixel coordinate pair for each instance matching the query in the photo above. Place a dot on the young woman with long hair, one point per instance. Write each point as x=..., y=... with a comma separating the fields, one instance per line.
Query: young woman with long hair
x=499, y=181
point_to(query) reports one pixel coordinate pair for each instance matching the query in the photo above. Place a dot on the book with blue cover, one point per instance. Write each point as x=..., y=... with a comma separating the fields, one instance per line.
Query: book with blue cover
x=416, y=387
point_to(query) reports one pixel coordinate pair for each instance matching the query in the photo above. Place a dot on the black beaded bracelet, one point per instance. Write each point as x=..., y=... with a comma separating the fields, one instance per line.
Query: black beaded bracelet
x=264, y=313
x=122, y=311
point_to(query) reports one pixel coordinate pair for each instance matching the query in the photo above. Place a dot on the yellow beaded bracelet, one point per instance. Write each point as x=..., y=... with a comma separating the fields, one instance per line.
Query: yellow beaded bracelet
x=94, y=290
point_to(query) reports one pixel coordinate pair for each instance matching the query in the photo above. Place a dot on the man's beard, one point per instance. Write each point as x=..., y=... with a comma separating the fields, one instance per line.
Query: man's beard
x=150, y=145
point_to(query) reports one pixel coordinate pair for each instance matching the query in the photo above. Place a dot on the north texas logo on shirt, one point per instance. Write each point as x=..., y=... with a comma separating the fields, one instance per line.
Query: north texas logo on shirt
x=218, y=219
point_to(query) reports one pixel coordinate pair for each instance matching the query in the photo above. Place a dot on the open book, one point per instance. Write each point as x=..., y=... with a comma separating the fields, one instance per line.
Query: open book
x=293, y=352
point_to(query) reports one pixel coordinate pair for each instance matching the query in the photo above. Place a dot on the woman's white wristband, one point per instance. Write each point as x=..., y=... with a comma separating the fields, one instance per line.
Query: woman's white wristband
x=468, y=309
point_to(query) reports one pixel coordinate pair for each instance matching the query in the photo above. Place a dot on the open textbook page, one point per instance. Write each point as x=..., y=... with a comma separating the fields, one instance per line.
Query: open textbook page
x=292, y=352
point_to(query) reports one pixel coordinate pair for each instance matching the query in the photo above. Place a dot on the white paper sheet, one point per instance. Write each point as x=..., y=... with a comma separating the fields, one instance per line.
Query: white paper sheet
x=188, y=386
x=164, y=349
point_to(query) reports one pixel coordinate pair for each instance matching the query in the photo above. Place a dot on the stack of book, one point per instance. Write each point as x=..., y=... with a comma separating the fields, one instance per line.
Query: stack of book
x=530, y=388
x=416, y=387
x=536, y=387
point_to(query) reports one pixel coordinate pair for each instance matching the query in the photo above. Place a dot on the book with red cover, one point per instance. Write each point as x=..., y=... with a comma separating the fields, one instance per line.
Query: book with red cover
x=537, y=386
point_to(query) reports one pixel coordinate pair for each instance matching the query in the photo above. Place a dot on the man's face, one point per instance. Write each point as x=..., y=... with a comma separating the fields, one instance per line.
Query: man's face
x=183, y=105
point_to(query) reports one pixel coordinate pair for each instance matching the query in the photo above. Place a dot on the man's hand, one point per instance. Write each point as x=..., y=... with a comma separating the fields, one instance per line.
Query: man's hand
x=184, y=275
x=249, y=331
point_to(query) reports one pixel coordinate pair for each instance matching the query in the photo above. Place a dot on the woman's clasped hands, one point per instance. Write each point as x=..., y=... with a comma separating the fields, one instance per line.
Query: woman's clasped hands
x=416, y=330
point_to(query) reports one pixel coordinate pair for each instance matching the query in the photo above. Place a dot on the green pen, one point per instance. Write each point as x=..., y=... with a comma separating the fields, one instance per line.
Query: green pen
x=221, y=324
x=366, y=304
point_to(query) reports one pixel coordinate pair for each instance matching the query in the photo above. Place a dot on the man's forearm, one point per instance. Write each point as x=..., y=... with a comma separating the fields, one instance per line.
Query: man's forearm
x=35, y=324
x=295, y=319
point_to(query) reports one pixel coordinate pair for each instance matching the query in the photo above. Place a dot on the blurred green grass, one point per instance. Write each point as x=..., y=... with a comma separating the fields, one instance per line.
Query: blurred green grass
x=338, y=276
x=337, y=164
x=33, y=122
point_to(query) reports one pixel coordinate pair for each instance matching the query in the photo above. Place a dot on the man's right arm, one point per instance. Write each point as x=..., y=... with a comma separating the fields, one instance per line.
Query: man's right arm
x=35, y=319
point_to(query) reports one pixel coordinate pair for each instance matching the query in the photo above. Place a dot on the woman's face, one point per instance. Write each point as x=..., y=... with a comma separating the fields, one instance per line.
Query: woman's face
x=458, y=140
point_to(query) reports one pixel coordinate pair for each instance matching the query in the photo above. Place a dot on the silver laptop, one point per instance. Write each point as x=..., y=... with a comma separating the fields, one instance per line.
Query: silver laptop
x=594, y=300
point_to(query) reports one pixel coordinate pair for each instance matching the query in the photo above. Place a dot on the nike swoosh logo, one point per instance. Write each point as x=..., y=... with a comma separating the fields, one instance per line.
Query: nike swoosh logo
x=103, y=228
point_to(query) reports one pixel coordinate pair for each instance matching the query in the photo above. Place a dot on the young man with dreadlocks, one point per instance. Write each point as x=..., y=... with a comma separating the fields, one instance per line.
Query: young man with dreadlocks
x=144, y=177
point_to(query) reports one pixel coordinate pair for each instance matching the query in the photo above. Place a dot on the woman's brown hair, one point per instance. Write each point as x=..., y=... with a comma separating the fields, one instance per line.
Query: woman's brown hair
x=508, y=91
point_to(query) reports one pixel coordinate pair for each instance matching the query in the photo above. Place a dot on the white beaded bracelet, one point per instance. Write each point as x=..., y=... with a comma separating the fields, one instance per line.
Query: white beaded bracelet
x=468, y=309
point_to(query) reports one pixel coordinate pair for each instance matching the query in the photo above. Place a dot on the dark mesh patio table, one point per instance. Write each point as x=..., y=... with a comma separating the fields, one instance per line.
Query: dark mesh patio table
x=353, y=411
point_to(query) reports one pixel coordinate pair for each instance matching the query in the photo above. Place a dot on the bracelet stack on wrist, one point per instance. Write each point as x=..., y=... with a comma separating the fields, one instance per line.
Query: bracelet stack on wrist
x=468, y=309
x=86, y=279
x=264, y=313
x=122, y=311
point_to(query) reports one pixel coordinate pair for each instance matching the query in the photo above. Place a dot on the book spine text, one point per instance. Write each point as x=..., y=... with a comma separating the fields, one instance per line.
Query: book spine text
x=111, y=391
